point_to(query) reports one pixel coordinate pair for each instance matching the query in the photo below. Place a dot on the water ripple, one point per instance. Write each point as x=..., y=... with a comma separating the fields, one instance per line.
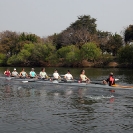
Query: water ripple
x=54, y=109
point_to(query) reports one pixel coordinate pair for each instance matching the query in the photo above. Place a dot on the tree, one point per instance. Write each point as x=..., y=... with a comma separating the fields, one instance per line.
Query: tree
x=55, y=39
x=85, y=22
x=78, y=33
x=9, y=43
x=90, y=51
x=2, y=59
x=114, y=44
x=69, y=54
x=102, y=39
x=33, y=54
x=125, y=54
x=76, y=37
x=29, y=38
x=128, y=34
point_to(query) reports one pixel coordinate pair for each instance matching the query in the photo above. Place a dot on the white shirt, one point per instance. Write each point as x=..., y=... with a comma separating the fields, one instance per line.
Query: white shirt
x=56, y=75
x=43, y=74
x=68, y=76
x=14, y=73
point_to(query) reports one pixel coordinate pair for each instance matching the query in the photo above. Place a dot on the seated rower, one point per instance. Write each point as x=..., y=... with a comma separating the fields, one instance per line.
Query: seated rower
x=83, y=77
x=110, y=81
x=68, y=76
x=23, y=74
x=7, y=73
x=32, y=73
x=56, y=75
x=43, y=74
x=15, y=73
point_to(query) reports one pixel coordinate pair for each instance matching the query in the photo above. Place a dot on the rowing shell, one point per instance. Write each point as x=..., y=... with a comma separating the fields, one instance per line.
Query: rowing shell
x=71, y=83
x=86, y=85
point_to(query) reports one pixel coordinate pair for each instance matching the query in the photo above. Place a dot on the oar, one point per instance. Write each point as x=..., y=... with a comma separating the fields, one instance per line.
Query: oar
x=62, y=75
x=96, y=82
x=64, y=80
x=32, y=80
x=91, y=81
x=121, y=86
x=104, y=79
x=7, y=77
x=116, y=79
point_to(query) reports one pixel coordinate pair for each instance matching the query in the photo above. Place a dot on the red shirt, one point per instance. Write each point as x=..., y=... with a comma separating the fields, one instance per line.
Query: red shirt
x=7, y=73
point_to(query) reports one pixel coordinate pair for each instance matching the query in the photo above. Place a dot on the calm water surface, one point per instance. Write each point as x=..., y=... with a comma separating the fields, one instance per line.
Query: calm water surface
x=41, y=108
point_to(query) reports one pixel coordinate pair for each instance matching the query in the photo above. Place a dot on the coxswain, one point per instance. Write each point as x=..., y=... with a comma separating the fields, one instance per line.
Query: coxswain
x=110, y=81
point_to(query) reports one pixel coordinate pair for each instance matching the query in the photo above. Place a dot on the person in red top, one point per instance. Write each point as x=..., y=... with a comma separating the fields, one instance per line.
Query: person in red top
x=110, y=80
x=7, y=73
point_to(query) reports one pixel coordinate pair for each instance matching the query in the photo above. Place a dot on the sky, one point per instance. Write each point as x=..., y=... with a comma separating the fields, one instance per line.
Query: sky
x=46, y=17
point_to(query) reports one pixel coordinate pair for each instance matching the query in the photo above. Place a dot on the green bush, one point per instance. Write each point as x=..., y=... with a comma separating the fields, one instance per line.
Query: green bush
x=125, y=55
x=2, y=59
x=90, y=51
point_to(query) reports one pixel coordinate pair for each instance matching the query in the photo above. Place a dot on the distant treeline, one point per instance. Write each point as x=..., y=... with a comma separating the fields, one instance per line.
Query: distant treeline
x=80, y=41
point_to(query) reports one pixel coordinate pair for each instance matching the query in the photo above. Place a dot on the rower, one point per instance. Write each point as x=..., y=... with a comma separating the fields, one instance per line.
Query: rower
x=56, y=75
x=110, y=81
x=68, y=76
x=7, y=73
x=83, y=77
x=32, y=73
x=15, y=73
x=23, y=74
x=43, y=74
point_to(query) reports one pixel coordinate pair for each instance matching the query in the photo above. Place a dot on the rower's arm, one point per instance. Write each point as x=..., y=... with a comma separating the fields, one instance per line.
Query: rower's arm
x=5, y=73
x=20, y=74
x=87, y=78
x=72, y=77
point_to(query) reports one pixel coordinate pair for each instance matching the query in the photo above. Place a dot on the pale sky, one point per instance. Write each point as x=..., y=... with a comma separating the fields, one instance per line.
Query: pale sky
x=46, y=17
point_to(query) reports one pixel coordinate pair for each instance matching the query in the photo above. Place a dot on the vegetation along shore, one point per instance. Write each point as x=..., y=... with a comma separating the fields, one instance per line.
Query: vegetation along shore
x=79, y=45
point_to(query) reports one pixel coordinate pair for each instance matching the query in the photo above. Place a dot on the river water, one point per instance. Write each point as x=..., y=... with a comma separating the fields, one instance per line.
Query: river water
x=42, y=108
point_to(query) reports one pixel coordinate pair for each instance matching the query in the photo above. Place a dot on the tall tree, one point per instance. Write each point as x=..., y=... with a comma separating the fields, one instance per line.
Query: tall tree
x=128, y=34
x=31, y=38
x=114, y=44
x=125, y=54
x=8, y=42
x=85, y=22
x=78, y=33
x=103, y=38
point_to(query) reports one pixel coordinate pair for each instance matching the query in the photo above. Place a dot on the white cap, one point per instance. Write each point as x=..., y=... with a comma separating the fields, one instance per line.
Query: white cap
x=14, y=68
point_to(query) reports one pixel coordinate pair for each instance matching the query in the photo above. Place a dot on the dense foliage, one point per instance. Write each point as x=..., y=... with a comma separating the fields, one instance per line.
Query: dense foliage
x=80, y=41
x=128, y=34
x=126, y=55
x=90, y=51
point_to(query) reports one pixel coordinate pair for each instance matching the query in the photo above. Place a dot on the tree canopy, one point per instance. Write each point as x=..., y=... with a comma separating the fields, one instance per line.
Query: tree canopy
x=80, y=40
x=128, y=34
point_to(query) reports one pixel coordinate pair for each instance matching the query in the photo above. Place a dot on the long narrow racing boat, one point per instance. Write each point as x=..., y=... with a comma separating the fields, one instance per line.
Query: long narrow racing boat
x=95, y=84
x=92, y=84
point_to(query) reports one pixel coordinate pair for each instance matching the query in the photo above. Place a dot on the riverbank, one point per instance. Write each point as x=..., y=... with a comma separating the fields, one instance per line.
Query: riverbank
x=84, y=63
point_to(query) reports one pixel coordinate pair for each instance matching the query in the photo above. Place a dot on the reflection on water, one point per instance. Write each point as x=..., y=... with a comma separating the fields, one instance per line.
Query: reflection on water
x=41, y=108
